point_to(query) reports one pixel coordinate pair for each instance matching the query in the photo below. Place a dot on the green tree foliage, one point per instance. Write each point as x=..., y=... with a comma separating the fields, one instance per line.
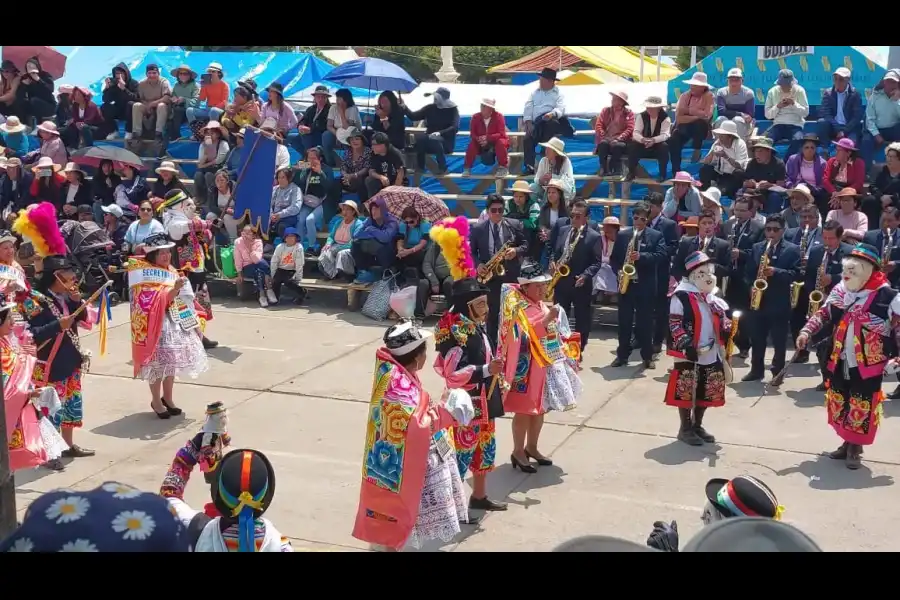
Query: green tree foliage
x=683, y=59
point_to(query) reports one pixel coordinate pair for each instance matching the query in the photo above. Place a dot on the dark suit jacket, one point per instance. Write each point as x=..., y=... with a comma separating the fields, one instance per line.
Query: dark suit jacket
x=785, y=259
x=562, y=222
x=652, y=251
x=481, y=249
x=586, y=259
x=752, y=234
x=669, y=229
x=876, y=239
x=718, y=249
x=795, y=234
x=833, y=268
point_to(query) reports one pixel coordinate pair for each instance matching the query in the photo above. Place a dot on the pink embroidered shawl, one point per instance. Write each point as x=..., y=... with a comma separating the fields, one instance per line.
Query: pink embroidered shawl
x=26, y=449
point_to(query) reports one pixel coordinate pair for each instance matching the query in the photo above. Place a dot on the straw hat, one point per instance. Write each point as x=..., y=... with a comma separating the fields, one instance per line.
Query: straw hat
x=45, y=162
x=216, y=125
x=12, y=125
x=48, y=127
x=727, y=128
x=168, y=166
x=558, y=184
x=555, y=144
x=180, y=68
x=844, y=193
x=73, y=168
x=698, y=79
x=521, y=186
x=352, y=204
x=803, y=191
x=620, y=94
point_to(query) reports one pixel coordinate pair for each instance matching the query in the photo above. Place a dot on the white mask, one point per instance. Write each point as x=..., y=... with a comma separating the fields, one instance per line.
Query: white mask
x=704, y=278
x=189, y=209
x=856, y=273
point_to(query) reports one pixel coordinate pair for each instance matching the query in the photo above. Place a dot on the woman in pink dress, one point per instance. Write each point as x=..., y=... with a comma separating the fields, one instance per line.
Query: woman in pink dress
x=541, y=355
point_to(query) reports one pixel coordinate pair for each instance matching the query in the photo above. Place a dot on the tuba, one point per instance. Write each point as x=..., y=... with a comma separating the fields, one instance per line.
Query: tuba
x=817, y=296
x=886, y=249
x=760, y=284
x=628, y=272
x=562, y=268
x=494, y=267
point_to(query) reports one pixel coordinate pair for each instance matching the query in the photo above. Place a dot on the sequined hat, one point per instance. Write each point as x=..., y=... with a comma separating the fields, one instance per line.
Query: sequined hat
x=111, y=518
x=867, y=253
x=696, y=259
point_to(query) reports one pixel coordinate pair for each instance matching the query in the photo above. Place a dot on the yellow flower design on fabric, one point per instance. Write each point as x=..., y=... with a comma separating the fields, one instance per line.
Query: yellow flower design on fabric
x=134, y=524
x=67, y=510
x=394, y=422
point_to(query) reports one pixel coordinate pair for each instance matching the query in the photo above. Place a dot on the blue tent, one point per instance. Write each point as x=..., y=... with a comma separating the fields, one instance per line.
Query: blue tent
x=813, y=69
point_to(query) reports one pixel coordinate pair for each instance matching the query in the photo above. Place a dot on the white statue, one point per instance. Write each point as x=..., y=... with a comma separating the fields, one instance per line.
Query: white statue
x=447, y=74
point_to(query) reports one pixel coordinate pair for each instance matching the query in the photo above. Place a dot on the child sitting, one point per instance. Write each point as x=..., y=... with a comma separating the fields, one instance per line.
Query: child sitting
x=287, y=265
x=250, y=264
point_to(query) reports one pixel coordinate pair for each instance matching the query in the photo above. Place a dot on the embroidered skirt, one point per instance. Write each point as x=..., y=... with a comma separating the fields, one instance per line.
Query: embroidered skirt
x=476, y=447
x=332, y=260
x=710, y=385
x=178, y=353
x=71, y=412
x=443, y=503
x=562, y=388
x=854, y=406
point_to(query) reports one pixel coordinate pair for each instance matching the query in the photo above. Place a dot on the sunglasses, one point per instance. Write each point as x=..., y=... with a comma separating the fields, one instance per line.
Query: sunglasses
x=496, y=211
x=146, y=210
x=639, y=218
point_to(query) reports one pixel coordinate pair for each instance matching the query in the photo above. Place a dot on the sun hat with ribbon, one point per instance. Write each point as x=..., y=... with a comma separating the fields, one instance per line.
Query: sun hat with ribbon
x=177, y=71
x=847, y=192
x=727, y=128
x=48, y=127
x=521, y=186
x=555, y=144
x=532, y=272
x=622, y=95
x=114, y=517
x=7, y=236
x=699, y=79
x=654, y=102
x=214, y=66
x=321, y=90
x=803, y=190
x=242, y=492
x=45, y=162
x=846, y=144
x=351, y=203
x=167, y=166
x=73, y=168
x=683, y=177
x=13, y=125
x=216, y=125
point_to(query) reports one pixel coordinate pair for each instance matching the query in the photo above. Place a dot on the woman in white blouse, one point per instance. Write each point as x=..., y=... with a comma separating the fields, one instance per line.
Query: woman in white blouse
x=554, y=165
x=342, y=115
x=75, y=191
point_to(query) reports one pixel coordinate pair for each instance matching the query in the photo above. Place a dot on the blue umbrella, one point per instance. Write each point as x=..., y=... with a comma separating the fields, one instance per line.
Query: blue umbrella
x=373, y=74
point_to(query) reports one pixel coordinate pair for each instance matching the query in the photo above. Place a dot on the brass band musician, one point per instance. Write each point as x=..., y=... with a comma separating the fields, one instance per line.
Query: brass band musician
x=742, y=232
x=808, y=236
x=705, y=240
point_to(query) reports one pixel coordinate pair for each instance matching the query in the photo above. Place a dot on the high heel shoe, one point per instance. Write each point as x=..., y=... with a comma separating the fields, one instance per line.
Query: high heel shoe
x=544, y=462
x=162, y=415
x=524, y=467
x=173, y=411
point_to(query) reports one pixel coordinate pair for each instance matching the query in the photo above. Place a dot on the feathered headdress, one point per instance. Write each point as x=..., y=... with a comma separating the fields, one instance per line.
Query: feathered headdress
x=452, y=235
x=37, y=224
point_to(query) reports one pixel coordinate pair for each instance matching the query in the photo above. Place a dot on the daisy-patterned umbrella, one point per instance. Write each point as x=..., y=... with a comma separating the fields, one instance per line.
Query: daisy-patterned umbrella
x=431, y=208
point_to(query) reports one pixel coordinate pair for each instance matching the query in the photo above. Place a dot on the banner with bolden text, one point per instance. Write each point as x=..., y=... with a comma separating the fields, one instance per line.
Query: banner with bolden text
x=776, y=52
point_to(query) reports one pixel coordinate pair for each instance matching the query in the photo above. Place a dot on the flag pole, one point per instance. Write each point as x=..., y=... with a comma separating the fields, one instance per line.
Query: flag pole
x=8, y=521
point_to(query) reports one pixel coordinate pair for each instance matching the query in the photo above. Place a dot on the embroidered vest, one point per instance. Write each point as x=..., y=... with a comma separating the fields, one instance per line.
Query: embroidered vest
x=691, y=320
x=871, y=348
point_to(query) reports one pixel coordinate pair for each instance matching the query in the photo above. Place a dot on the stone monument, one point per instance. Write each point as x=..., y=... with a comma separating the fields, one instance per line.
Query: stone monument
x=447, y=74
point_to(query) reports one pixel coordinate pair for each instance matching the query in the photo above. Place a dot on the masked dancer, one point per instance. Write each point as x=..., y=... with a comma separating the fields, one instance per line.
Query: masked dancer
x=191, y=235
x=700, y=340
x=411, y=487
x=49, y=309
x=541, y=356
x=165, y=327
x=860, y=323
x=466, y=360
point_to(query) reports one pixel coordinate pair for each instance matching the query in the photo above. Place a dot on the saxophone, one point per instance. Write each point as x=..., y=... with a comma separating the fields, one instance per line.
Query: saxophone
x=886, y=249
x=628, y=272
x=731, y=240
x=797, y=286
x=494, y=267
x=817, y=296
x=761, y=284
x=562, y=267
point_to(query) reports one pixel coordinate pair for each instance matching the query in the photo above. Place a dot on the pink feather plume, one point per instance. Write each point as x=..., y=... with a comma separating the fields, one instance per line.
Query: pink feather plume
x=43, y=217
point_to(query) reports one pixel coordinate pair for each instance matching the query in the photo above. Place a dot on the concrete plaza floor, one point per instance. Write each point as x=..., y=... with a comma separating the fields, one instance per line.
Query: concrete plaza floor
x=296, y=382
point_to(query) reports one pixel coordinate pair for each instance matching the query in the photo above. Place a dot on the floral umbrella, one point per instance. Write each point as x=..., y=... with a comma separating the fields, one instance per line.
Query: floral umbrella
x=431, y=208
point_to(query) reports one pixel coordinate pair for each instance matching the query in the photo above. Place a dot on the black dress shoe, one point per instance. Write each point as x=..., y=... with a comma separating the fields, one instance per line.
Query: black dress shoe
x=172, y=410
x=486, y=504
x=543, y=462
x=895, y=394
x=751, y=376
x=162, y=415
x=821, y=387
x=54, y=465
x=76, y=451
x=618, y=362
x=525, y=467
x=209, y=344
x=470, y=521
x=745, y=354
x=649, y=364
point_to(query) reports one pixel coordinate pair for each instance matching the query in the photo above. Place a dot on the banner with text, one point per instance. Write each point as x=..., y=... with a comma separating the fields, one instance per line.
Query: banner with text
x=776, y=52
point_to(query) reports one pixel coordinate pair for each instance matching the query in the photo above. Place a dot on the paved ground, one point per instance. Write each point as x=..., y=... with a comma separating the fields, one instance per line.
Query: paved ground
x=296, y=381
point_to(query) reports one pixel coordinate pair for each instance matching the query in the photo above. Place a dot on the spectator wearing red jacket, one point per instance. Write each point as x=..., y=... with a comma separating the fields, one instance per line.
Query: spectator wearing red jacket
x=86, y=118
x=613, y=131
x=844, y=170
x=488, y=139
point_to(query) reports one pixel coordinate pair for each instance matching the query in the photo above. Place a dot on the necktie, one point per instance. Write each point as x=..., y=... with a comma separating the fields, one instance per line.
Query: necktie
x=495, y=231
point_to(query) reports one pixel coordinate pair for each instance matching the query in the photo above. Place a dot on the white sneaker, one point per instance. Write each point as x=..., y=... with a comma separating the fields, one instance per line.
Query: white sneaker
x=128, y=135
x=467, y=173
x=262, y=300
x=113, y=135
x=273, y=299
x=502, y=172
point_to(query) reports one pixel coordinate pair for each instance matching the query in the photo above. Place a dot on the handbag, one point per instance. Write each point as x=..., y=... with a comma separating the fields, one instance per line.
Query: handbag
x=226, y=262
x=378, y=304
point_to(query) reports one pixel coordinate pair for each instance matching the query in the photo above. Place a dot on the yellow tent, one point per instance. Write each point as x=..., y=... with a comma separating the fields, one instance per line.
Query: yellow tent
x=592, y=77
x=615, y=59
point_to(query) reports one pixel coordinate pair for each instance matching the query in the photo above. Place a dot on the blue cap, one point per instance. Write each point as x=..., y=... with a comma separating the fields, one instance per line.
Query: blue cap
x=291, y=231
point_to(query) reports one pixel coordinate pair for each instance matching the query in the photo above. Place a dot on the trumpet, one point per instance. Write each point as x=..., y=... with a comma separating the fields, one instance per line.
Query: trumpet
x=817, y=296
x=628, y=272
x=494, y=267
x=761, y=283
